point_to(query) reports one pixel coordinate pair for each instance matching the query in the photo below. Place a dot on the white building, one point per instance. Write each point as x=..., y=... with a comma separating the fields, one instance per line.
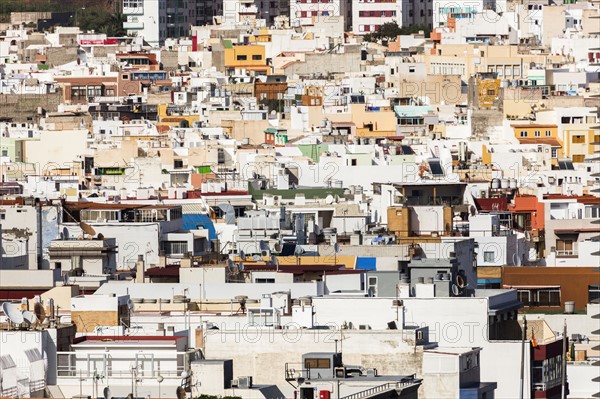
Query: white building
x=369, y=15
x=147, y=18
x=306, y=13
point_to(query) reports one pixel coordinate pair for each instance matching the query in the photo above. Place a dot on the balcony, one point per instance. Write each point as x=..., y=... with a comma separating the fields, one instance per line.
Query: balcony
x=133, y=25
x=567, y=253
x=133, y=10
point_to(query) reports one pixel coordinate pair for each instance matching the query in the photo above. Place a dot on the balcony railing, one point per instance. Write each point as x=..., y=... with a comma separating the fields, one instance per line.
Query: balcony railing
x=566, y=252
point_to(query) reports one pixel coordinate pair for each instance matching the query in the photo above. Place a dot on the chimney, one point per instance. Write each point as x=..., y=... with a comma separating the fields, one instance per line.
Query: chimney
x=139, y=275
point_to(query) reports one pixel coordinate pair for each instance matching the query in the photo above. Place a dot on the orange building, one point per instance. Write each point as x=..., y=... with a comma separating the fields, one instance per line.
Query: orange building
x=528, y=216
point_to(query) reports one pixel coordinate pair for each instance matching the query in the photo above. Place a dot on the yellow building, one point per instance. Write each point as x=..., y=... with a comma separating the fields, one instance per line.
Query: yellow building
x=540, y=134
x=251, y=58
x=169, y=116
x=579, y=142
x=369, y=123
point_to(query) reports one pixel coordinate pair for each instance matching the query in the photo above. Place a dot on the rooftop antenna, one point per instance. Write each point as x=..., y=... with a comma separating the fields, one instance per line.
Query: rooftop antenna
x=298, y=251
x=275, y=262
x=336, y=249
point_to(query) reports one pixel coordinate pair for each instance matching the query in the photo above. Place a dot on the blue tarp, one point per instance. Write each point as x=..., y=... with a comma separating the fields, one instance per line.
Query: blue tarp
x=366, y=263
x=195, y=222
x=489, y=280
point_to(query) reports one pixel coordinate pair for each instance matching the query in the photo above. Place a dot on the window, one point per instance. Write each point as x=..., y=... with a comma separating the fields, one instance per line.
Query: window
x=241, y=58
x=547, y=297
x=593, y=292
x=578, y=139
x=174, y=247
x=316, y=363
x=523, y=133
x=578, y=158
x=257, y=57
x=548, y=133
x=489, y=256
x=537, y=133
x=592, y=212
x=546, y=374
x=564, y=247
x=78, y=92
x=264, y=280
x=372, y=286
x=411, y=69
x=555, y=153
x=2, y=216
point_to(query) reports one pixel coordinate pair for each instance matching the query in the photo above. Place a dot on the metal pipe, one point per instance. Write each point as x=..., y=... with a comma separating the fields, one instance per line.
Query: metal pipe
x=523, y=357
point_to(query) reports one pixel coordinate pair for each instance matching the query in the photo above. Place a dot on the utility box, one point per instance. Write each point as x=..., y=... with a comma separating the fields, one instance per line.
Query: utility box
x=324, y=395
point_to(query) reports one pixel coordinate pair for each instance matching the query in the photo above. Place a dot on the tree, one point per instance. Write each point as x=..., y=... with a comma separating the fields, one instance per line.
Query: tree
x=390, y=30
x=101, y=21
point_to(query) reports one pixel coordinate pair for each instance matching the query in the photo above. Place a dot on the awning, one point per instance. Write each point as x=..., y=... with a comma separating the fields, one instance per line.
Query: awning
x=366, y=263
x=489, y=280
x=530, y=287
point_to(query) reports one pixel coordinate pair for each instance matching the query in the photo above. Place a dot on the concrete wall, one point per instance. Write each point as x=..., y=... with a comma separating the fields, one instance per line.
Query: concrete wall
x=21, y=107
x=252, y=349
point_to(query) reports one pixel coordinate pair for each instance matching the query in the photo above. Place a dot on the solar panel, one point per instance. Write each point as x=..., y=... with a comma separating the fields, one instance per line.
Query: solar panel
x=565, y=164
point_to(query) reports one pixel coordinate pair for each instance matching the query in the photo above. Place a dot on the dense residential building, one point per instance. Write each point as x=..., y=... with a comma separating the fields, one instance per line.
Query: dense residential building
x=262, y=199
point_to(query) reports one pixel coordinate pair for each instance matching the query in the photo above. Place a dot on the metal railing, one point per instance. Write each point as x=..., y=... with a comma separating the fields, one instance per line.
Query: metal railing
x=383, y=388
x=70, y=365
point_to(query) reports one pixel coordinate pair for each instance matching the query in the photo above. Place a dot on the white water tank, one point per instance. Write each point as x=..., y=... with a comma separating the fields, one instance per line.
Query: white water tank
x=495, y=183
x=504, y=183
x=513, y=183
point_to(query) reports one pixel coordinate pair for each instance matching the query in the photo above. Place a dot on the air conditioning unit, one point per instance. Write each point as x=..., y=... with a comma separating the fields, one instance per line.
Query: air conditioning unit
x=364, y=327
x=235, y=383
x=245, y=382
x=397, y=302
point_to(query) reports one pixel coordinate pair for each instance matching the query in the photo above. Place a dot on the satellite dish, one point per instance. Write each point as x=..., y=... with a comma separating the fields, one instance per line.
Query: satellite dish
x=263, y=245
x=329, y=199
x=460, y=281
x=242, y=255
x=40, y=312
x=230, y=265
x=12, y=312
x=29, y=317
x=256, y=258
x=455, y=290
x=180, y=393
x=336, y=198
x=298, y=250
x=106, y=393
x=87, y=229
x=241, y=266
x=100, y=236
x=336, y=247
x=277, y=247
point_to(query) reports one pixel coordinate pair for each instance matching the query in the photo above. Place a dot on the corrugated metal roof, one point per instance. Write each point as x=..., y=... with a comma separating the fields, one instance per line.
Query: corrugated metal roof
x=199, y=221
